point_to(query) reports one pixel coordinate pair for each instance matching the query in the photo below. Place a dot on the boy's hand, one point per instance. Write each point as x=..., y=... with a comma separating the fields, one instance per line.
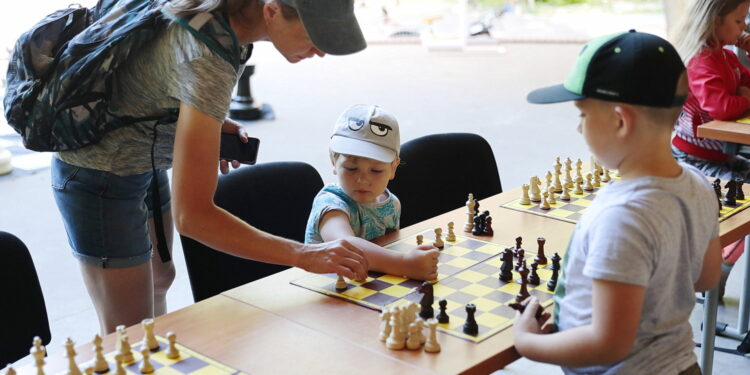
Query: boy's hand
x=528, y=323
x=339, y=256
x=421, y=263
x=232, y=127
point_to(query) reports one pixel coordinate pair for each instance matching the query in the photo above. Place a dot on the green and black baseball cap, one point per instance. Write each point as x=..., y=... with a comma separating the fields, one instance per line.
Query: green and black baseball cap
x=630, y=67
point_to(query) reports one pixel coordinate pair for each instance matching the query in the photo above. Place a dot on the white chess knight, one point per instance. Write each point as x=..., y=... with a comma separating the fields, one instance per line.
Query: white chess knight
x=385, y=324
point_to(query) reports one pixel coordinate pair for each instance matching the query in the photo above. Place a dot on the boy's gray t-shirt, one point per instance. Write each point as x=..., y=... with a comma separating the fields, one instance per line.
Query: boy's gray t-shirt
x=176, y=67
x=652, y=232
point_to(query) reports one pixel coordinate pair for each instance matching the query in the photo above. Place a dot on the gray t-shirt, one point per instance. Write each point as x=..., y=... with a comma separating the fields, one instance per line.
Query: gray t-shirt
x=176, y=67
x=651, y=232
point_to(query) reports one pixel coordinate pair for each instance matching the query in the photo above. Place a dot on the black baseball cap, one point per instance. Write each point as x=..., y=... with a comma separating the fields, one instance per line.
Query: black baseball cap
x=630, y=67
x=331, y=25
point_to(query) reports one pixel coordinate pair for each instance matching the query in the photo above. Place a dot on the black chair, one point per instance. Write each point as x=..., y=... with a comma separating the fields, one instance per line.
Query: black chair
x=24, y=314
x=439, y=171
x=274, y=197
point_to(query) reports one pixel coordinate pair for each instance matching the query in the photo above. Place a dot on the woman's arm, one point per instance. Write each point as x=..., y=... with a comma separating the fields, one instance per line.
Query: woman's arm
x=194, y=180
x=420, y=263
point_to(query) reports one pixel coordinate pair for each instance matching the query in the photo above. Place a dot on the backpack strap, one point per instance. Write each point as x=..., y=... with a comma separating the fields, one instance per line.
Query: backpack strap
x=230, y=54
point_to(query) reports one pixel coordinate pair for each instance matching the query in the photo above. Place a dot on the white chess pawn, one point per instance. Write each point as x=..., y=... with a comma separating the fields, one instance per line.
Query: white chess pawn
x=597, y=179
x=385, y=324
x=551, y=199
x=566, y=193
x=420, y=239
x=340, y=283
x=119, y=370
x=525, y=195
x=100, y=364
x=545, y=204
x=579, y=189
x=412, y=342
x=606, y=177
x=172, y=351
x=89, y=370
x=438, y=238
x=70, y=353
x=395, y=340
x=146, y=367
x=589, y=187
x=451, y=235
x=10, y=371
x=149, y=340
x=432, y=345
x=125, y=350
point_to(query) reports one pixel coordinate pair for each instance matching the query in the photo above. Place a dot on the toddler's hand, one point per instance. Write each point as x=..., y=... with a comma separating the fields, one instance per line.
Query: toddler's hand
x=528, y=323
x=421, y=263
x=743, y=41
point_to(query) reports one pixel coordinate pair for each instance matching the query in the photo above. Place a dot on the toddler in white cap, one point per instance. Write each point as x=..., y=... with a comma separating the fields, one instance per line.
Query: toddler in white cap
x=364, y=151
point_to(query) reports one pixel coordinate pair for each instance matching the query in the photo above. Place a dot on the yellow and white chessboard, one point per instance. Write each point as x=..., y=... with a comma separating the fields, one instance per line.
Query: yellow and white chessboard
x=190, y=362
x=468, y=272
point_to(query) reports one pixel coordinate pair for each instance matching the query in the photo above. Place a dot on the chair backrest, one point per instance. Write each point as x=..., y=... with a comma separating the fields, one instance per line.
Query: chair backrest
x=438, y=172
x=274, y=197
x=24, y=314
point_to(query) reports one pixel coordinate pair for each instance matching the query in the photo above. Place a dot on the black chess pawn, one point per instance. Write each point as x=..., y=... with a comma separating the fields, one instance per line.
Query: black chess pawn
x=533, y=276
x=428, y=298
x=731, y=195
x=478, y=226
x=520, y=263
x=540, y=257
x=476, y=206
x=717, y=189
x=442, y=316
x=488, y=227
x=524, y=292
x=739, y=194
x=518, y=242
x=552, y=283
x=470, y=326
x=506, y=267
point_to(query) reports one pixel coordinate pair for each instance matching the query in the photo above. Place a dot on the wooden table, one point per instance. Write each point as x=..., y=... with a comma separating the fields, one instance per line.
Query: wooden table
x=734, y=134
x=272, y=327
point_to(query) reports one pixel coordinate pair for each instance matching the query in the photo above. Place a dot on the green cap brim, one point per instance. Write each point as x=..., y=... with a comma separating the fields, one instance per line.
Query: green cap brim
x=552, y=94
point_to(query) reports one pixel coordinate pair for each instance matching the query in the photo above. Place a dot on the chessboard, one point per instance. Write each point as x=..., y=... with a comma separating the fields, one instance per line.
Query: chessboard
x=572, y=209
x=189, y=362
x=468, y=272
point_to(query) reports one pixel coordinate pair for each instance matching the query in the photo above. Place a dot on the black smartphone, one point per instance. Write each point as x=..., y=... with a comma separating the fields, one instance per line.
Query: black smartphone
x=232, y=148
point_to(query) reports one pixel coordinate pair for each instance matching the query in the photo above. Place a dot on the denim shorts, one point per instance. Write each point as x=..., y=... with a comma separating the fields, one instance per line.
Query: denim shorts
x=106, y=215
x=734, y=167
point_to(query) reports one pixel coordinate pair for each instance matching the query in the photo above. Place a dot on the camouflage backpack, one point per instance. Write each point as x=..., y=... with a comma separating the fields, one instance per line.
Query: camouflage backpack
x=61, y=72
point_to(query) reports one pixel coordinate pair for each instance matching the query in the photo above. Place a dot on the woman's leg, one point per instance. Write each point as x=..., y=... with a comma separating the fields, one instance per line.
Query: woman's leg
x=120, y=295
x=163, y=273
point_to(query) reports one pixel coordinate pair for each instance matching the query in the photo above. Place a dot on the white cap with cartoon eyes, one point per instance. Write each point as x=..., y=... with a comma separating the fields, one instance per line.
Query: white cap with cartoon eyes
x=367, y=131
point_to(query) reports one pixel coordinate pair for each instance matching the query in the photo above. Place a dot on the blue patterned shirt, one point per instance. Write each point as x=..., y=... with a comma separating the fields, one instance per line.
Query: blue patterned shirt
x=368, y=220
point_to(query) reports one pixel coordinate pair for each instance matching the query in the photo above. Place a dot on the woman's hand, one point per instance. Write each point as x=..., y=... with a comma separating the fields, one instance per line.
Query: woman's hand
x=340, y=256
x=230, y=126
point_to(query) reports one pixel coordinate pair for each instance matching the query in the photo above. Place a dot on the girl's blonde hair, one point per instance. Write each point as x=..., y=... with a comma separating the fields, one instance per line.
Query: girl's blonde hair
x=182, y=8
x=697, y=27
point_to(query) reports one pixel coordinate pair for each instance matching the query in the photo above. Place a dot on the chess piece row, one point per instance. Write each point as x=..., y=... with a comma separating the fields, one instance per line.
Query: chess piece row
x=733, y=194
x=99, y=363
x=534, y=193
x=401, y=327
x=439, y=243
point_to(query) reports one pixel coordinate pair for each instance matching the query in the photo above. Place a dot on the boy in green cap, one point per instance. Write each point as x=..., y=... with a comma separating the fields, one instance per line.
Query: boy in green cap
x=649, y=240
